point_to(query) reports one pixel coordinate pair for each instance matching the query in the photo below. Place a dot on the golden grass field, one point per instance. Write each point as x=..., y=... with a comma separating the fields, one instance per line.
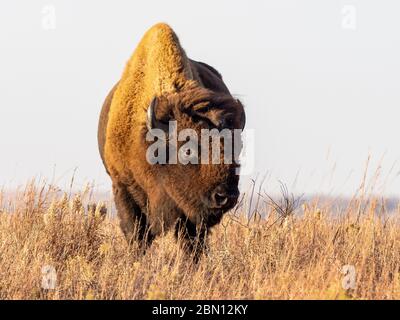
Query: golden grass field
x=288, y=254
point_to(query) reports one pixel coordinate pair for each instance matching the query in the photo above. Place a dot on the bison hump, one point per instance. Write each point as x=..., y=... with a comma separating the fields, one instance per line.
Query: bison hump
x=158, y=65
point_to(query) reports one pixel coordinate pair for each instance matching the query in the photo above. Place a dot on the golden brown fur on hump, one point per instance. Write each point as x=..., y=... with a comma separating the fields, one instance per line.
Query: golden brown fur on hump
x=158, y=65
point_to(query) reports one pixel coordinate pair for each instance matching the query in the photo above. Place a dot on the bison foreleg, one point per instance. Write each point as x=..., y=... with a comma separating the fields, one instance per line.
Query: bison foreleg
x=132, y=220
x=193, y=237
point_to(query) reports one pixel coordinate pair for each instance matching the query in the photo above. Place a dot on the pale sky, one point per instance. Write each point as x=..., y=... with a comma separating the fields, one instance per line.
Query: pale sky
x=320, y=81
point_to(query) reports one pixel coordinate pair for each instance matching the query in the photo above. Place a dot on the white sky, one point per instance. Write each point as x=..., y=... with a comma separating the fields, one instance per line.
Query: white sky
x=320, y=96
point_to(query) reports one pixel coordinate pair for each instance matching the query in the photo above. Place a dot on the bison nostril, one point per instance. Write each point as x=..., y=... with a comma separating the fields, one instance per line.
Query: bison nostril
x=221, y=199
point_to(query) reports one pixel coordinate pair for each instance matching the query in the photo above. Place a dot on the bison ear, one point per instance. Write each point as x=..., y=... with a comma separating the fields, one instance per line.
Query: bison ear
x=152, y=121
x=242, y=116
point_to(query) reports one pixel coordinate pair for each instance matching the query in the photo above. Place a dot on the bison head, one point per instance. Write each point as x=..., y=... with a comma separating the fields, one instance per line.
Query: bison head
x=203, y=191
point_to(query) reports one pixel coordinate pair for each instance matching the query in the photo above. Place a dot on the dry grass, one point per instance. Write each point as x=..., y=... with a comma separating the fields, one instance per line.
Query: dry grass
x=295, y=255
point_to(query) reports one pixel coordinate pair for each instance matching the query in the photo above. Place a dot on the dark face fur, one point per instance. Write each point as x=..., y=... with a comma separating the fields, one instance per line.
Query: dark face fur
x=203, y=191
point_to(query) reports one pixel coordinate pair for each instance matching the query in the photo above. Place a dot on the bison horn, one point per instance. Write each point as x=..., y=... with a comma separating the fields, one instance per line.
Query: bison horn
x=242, y=121
x=152, y=121
x=242, y=117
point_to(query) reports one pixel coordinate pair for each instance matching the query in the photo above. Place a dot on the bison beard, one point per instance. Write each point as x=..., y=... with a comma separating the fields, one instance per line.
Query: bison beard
x=161, y=84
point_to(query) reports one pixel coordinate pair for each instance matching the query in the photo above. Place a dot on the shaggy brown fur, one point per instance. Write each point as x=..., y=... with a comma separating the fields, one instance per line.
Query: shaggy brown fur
x=152, y=198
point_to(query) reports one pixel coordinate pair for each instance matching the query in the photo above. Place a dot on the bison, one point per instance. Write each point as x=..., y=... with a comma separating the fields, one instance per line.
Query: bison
x=161, y=84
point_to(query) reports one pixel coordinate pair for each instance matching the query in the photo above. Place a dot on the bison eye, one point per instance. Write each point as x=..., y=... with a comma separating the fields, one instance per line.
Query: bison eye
x=226, y=123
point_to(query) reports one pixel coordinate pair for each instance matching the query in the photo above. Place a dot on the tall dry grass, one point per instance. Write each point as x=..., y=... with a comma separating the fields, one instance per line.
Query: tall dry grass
x=280, y=252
